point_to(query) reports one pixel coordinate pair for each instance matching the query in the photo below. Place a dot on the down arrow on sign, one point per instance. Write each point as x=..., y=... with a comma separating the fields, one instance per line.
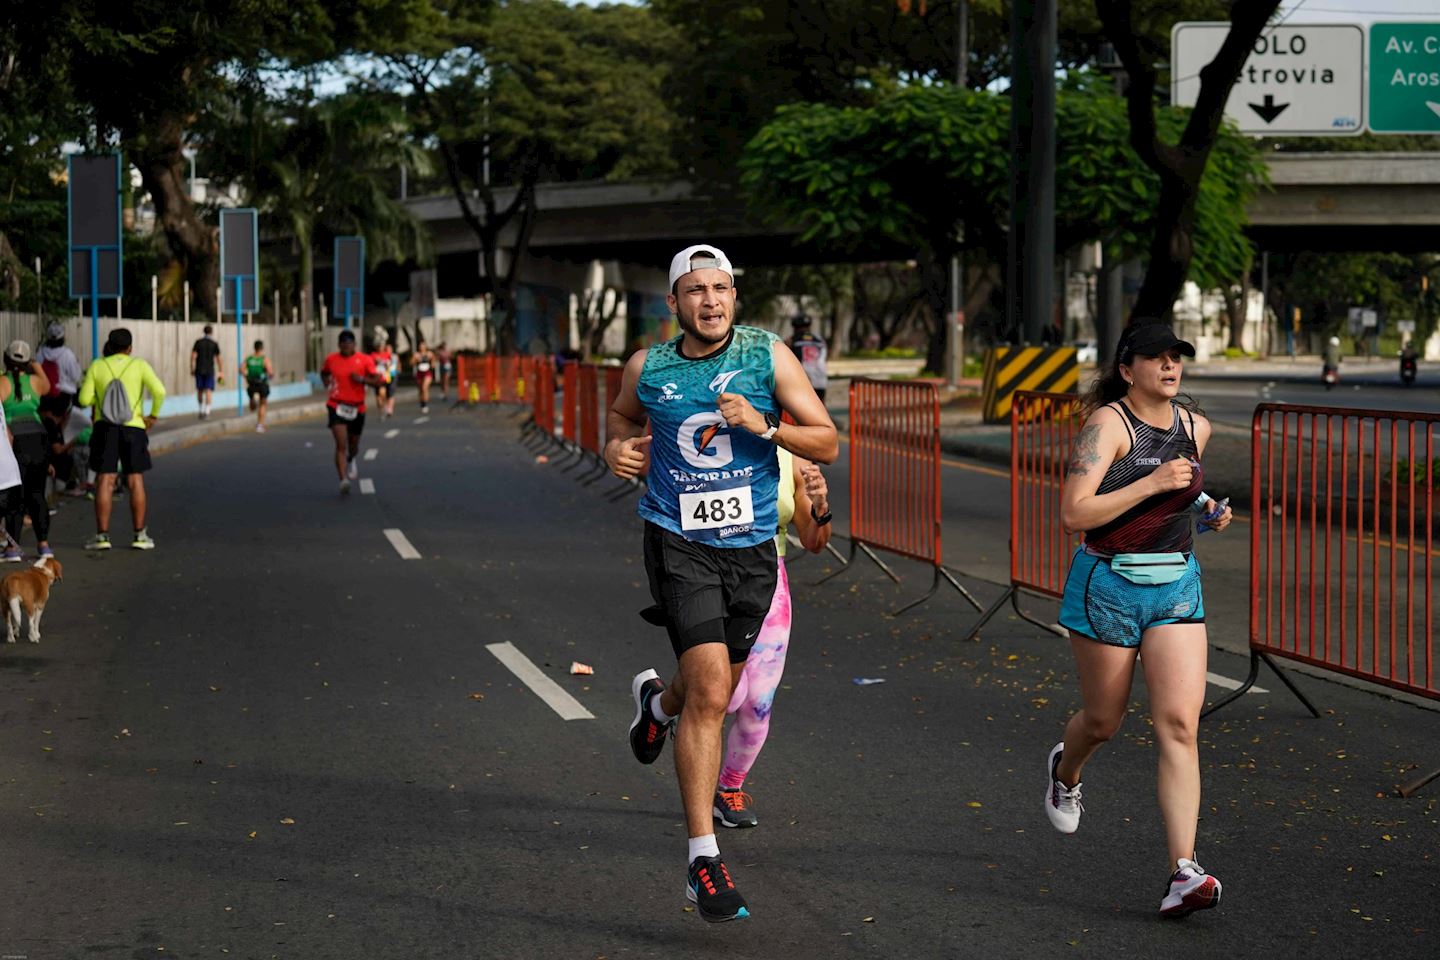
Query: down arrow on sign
x=1269, y=110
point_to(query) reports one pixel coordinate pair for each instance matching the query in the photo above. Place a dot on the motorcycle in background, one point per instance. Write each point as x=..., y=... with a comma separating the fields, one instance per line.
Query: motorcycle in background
x=1408, y=367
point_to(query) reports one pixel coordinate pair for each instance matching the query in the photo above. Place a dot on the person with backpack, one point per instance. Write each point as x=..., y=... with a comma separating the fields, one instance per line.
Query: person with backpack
x=61, y=367
x=115, y=385
x=20, y=392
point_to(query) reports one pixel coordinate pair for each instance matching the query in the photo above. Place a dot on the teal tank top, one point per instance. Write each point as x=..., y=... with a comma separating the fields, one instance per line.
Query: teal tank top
x=710, y=483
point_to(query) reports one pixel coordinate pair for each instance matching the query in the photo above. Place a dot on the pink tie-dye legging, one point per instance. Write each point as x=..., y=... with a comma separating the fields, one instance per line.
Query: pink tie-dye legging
x=755, y=692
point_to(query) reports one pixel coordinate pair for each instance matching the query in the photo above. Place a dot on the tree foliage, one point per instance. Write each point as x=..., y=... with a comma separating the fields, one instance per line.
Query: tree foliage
x=922, y=160
x=536, y=89
x=741, y=59
x=321, y=168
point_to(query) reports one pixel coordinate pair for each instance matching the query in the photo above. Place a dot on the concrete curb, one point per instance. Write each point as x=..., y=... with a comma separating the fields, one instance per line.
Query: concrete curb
x=166, y=440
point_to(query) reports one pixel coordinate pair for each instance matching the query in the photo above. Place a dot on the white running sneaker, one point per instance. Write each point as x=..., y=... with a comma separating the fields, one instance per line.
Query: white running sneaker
x=1062, y=803
x=344, y=486
x=352, y=472
x=1190, y=889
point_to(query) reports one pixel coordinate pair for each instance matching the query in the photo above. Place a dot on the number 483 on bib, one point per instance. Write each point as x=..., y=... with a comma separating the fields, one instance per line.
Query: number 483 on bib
x=718, y=508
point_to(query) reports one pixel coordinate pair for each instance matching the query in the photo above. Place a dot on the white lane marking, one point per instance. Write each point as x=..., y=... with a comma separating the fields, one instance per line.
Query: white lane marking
x=372, y=453
x=1229, y=684
x=422, y=419
x=402, y=546
x=367, y=485
x=542, y=686
x=392, y=434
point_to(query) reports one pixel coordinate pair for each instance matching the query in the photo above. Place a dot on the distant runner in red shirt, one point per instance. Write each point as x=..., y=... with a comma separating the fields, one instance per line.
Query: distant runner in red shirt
x=346, y=373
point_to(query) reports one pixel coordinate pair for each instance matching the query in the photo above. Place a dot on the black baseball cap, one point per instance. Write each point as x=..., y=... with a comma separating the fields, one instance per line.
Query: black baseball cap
x=1150, y=340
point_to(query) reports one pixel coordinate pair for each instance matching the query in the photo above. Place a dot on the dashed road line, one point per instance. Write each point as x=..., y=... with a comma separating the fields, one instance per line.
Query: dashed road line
x=367, y=485
x=554, y=695
x=402, y=545
x=1229, y=684
x=392, y=433
x=372, y=453
x=419, y=420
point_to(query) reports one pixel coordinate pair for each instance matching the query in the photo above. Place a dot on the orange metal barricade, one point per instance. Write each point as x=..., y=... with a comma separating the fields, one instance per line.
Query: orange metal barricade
x=1043, y=427
x=569, y=400
x=542, y=397
x=895, y=476
x=1342, y=544
x=473, y=372
x=590, y=408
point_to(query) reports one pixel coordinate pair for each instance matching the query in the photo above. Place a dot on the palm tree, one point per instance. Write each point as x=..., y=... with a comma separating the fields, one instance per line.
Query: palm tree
x=324, y=167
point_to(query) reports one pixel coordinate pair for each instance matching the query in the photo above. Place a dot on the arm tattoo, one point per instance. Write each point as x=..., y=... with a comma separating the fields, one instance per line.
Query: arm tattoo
x=1086, y=453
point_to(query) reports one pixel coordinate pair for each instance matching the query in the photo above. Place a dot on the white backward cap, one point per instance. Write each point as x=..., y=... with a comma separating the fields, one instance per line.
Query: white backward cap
x=712, y=257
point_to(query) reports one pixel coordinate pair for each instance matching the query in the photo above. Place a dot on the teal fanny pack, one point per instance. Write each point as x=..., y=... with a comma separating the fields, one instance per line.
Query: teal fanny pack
x=1150, y=569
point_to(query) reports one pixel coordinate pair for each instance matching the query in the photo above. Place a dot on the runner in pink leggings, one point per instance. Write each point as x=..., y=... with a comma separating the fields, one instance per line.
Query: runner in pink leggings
x=805, y=501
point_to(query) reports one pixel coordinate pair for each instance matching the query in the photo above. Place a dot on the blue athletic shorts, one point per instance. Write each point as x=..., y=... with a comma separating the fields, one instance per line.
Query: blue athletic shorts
x=204, y=381
x=1104, y=606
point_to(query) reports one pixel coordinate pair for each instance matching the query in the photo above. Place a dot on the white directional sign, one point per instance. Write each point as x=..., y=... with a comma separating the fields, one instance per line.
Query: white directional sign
x=1302, y=80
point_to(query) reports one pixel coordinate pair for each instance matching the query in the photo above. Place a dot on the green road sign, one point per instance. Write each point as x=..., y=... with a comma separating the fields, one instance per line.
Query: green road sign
x=1404, y=78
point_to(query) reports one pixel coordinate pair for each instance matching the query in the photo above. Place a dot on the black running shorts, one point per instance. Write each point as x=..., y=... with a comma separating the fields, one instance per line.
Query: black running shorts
x=709, y=594
x=257, y=388
x=353, y=427
x=113, y=447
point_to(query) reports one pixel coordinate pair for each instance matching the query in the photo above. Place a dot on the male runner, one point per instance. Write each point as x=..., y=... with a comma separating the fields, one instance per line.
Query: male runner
x=257, y=371
x=346, y=373
x=712, y=398
x=205, y=368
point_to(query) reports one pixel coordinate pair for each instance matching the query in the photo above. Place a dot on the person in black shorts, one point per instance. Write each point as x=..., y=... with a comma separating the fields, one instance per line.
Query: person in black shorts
x=712, y=398
x=257, y=371
x=347, y=372
x=117, y=442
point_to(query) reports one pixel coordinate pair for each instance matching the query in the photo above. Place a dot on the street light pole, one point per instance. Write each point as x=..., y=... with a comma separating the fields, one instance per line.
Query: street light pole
x=954, y=333
x=1031, y=267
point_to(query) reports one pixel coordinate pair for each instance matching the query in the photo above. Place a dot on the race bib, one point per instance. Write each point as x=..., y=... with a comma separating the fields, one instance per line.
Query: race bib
x=717, y=509
x=346, y=412
x=423, y=367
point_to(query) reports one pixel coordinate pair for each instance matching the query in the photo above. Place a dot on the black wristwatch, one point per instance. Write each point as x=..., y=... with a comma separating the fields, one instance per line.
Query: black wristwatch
x=820, y=521
x=772, y=423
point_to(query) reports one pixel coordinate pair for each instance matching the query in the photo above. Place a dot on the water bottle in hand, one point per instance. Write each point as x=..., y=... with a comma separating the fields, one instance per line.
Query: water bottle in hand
x=1215, y=511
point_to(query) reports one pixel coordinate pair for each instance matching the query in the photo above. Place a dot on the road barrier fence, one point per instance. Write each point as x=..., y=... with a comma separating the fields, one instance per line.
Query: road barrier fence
x=1042, y=431
x=895, y=477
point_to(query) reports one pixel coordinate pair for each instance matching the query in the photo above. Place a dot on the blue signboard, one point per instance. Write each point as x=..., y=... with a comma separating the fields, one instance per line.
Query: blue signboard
x=92, y=193
x=239, y=278
x=350, y=278
x=239, y=261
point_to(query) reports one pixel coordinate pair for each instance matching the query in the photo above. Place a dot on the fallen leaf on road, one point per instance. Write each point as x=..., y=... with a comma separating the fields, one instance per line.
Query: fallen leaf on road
x=477, y=696
x=288, y=821
x=252, y=837
x=974, y=803
x=868, y=920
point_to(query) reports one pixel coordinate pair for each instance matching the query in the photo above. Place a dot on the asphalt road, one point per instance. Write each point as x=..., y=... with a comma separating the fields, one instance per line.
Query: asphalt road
x=273, y=737
x=1232, y=399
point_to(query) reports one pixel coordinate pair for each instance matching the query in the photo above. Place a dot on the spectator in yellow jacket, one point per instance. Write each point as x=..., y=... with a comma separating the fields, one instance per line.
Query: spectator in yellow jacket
x=120, y=442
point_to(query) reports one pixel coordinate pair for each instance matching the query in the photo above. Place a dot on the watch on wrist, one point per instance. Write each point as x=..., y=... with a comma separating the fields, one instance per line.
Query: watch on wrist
x=822, y=519
x=772, y=423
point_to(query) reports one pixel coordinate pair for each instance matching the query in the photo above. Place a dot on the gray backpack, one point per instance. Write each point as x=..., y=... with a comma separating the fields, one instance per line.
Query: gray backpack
x=115, y=406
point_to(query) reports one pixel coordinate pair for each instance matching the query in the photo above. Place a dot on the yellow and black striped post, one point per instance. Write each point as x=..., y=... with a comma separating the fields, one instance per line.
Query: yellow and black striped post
x=1007, y=369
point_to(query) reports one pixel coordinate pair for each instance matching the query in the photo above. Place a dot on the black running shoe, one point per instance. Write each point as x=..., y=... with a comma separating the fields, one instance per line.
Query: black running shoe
x=713, y=892
x=647, y=735
x=732, y=808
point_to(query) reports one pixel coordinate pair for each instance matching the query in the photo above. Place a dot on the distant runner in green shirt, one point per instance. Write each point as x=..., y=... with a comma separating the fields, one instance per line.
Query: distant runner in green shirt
x=118, y=442
x=257, y=382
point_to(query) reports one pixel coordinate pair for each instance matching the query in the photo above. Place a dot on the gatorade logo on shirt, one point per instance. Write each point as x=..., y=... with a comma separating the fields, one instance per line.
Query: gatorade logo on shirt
x=708, y=482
